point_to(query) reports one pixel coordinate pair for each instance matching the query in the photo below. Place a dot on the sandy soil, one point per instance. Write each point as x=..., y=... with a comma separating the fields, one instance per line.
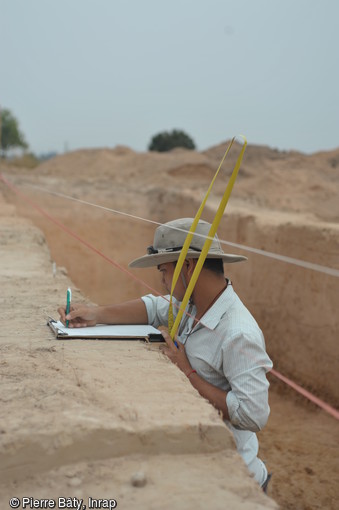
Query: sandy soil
x=112, y=420
x=282, y=202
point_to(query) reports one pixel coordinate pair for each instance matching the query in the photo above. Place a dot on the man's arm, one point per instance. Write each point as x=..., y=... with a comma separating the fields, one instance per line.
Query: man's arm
x=129, y=312
x=216, y=396
x=245, y=364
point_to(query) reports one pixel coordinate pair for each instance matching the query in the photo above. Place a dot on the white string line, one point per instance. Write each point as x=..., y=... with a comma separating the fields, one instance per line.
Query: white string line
x=288, y=381
x=283, y=258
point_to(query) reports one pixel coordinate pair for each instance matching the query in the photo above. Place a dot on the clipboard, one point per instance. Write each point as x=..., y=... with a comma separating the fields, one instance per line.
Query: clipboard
x=106, y=332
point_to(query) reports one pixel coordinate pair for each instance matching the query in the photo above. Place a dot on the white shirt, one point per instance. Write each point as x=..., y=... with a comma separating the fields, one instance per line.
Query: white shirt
x=227, y=349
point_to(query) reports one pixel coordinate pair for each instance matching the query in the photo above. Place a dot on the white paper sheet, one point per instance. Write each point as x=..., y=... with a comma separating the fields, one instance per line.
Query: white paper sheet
x=104, y=331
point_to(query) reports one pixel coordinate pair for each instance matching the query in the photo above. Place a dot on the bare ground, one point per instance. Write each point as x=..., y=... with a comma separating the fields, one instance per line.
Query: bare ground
x=283, y=202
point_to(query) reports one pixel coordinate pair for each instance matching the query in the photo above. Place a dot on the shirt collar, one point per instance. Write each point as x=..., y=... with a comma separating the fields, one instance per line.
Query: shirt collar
x=213, y=315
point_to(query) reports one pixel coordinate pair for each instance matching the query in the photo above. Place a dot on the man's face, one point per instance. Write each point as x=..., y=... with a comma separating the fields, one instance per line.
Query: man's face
x=167, y=271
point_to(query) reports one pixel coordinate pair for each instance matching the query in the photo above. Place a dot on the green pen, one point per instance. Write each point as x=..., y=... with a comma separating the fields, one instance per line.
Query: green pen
x=68, y=304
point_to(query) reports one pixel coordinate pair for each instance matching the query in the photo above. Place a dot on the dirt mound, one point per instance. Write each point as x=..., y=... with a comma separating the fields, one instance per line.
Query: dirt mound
x=283, y=202
x=268, y=178
x=193, y=172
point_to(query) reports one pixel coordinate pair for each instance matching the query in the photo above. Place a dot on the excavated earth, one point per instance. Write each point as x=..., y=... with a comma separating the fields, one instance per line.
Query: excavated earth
x=86, y=419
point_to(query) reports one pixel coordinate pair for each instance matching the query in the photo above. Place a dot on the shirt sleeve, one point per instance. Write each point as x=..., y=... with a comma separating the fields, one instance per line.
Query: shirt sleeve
x=246, y=363
x=157, y=309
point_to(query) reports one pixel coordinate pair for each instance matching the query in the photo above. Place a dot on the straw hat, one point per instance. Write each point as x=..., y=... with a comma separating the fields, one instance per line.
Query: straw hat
x=169, y=239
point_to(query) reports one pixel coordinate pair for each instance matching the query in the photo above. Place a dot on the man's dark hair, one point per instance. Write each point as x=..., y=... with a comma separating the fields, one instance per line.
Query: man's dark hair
x=214, y=265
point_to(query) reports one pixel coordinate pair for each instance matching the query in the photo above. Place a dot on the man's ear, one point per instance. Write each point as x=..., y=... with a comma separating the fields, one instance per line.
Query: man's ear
x=190, y=263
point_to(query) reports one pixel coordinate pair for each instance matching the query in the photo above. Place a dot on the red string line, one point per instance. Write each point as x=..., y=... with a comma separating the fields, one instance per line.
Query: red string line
x=317, y=401
x=326, y=407
x=76, y=236
x=87, y=244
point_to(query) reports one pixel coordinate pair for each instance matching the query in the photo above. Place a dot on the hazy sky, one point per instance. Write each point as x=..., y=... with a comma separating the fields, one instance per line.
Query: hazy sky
x=98, y=73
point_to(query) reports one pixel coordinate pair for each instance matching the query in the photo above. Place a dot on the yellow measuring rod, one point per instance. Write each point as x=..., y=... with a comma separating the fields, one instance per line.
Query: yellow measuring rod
x=173, y=326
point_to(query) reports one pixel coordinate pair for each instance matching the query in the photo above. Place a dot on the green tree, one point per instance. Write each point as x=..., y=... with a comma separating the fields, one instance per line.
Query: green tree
x=166, y=141
x=10, y=134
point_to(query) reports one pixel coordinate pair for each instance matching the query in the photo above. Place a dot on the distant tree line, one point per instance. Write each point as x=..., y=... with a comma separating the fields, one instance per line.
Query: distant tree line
x=10, y=135
x=167, y=141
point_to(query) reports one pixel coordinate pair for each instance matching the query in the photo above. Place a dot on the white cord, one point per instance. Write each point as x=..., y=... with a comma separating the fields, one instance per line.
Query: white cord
x=283, y=258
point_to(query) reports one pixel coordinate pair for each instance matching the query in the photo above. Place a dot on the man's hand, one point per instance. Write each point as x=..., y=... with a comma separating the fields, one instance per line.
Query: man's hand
x=216, y=396
x=80, y=316
x=176, y=354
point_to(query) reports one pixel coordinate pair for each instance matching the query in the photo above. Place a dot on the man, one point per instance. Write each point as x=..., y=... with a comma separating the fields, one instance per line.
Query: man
x=219, y=344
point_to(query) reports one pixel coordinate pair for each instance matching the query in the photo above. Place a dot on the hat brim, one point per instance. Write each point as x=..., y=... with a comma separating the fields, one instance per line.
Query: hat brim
x=164, y=257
